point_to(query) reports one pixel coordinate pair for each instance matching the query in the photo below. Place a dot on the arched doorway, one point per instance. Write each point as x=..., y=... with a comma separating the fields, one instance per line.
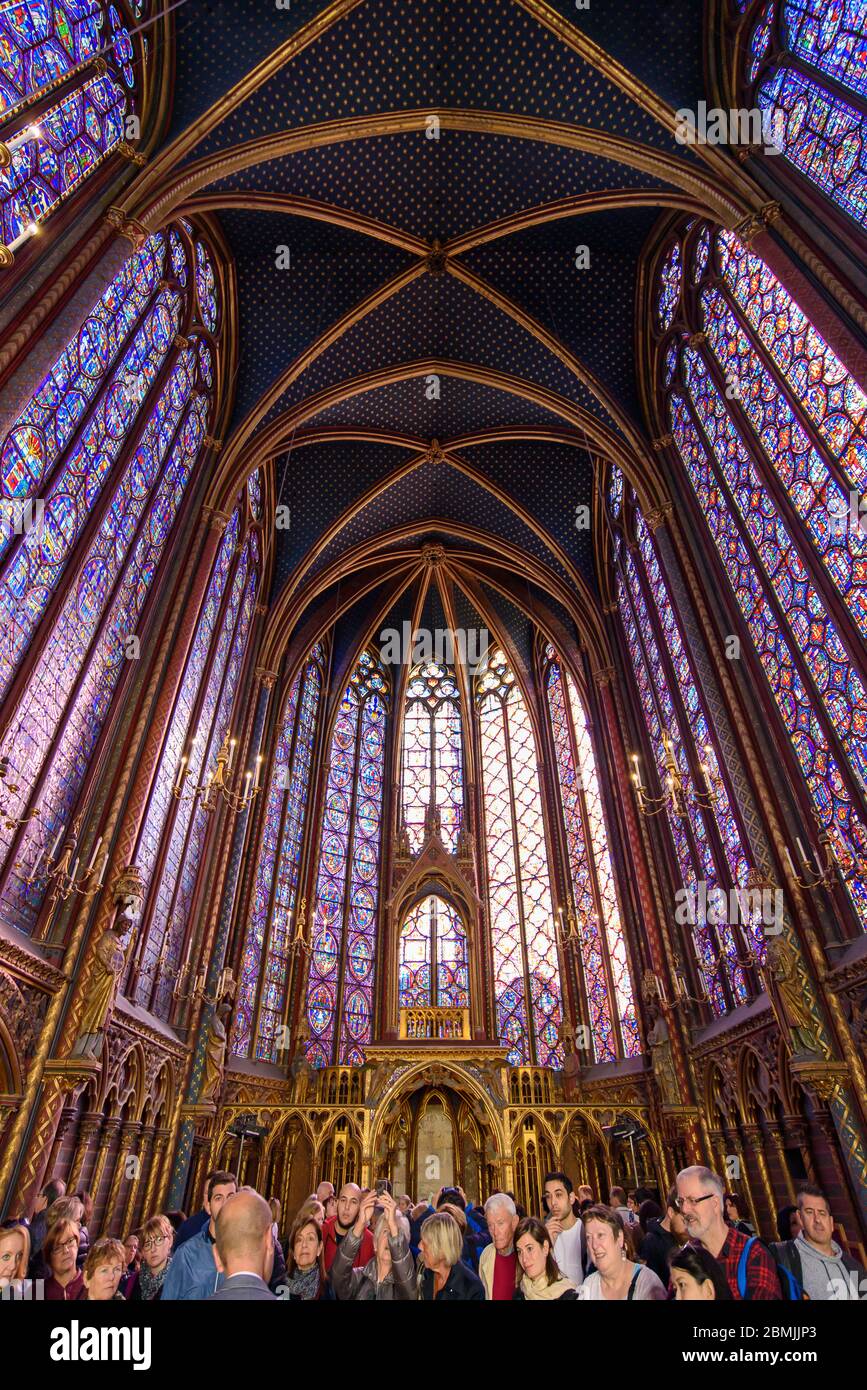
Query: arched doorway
x=435, y=1147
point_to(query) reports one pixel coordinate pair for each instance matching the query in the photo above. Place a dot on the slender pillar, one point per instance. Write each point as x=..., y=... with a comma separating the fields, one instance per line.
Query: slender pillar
x=88, y=1127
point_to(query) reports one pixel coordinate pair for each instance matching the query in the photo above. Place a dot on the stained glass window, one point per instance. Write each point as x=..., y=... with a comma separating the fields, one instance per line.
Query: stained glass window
x=342, y=965
x=85, y=45
x=607, y=984
x=275, y=892
x=433, y=957
x=523, y=937
x=179, y=812
x=432, y=788
x=771, y=431
x=811, y=83
x=105, y=481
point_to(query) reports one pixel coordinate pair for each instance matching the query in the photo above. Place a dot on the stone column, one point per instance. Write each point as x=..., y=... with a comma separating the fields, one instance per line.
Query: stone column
x=67, y=1115
x=152, y=1202
x=88, y=1127
x=144, y=1154
x=128, y=1136
x=777, y=1144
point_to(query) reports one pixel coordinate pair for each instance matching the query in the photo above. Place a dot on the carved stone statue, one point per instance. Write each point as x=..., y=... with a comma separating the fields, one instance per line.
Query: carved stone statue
x=661, y=1059
x=299, y=1068
x=571, y=1061
x=101, y=989
x=784, y=980
x=215, y=1053
x=108, y=964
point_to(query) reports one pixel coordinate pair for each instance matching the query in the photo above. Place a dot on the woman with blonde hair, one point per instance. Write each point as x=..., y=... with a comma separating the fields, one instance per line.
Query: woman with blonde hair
x=14, y=1258
x=103, y=1270
x=65, y=1280
x=538, y=1274
x=157, y=1240
x=443, y=1276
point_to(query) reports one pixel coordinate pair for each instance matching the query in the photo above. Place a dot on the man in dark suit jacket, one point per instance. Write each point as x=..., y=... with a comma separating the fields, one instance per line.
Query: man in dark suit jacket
x=245, y=1248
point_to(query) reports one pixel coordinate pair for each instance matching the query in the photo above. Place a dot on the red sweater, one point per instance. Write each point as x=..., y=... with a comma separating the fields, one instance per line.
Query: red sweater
x=503, y=1286
x=329, y=1237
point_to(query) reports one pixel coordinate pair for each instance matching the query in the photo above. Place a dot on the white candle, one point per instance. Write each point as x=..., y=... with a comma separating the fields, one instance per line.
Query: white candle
x=95, y=853
x=56, y=845
x=232, y=742
x=804, y=859
x=36, y=864
x=73, y=869
x=258, y=770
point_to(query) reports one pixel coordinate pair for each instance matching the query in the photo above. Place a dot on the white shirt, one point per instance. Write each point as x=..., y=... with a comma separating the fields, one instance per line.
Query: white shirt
x=568, y=1251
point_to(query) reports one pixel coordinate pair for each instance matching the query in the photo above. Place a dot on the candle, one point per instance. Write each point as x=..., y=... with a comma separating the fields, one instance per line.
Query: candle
x=56, y=846
x=790, y=860
x=73, y=869
x=101, y=874
x=95, y=853
x=181, y=774
x=258, y=770
x=232, y=742
x=36, y=864
x=804, y=859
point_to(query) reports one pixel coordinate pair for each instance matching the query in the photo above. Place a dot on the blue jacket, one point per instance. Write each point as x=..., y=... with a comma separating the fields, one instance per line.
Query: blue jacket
x=193, y=1272
x=190, y=1228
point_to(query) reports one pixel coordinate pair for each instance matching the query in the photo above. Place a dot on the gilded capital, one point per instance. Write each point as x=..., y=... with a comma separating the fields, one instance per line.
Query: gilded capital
x=217, y=521
x=265, y=677
x=134, y=231
x=662, y=442
x=658, y=516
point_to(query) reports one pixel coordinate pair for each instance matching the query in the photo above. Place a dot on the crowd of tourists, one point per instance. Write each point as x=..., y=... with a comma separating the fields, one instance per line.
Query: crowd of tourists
x=368, y=1244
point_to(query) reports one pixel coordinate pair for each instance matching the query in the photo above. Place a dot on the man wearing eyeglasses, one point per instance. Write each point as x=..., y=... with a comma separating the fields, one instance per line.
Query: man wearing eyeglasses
x=700, y=1199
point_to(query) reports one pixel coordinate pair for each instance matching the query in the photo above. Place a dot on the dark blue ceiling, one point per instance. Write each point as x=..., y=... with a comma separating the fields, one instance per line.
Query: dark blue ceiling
x=462, y=406
x=404, y=55
x=590, y=310
x=391, y=56
x=438, y=188
x=438, y=316
x=433, y=492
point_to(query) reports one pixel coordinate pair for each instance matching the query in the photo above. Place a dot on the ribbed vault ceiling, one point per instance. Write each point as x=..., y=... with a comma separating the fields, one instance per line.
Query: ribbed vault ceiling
x=433, y=369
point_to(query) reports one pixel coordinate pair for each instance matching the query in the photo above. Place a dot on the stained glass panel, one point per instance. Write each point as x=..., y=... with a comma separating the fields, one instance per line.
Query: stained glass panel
x=341, y=978
x=526, y=968
x=433, y=948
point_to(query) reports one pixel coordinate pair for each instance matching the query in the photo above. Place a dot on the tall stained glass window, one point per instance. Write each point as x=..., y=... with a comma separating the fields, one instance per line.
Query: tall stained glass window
x=432, y=765
x=770, y=428
x=523, y=936
x=172, y=838
x=342, y=964
x=608, y=986
x=70, y=74
x=261, y=1002
x=806, y=69
x=93, y=476
x=433, y=957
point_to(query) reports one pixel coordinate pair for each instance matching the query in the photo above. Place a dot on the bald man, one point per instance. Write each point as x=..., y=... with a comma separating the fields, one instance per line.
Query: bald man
x=334, y=1230
x=244, y=1251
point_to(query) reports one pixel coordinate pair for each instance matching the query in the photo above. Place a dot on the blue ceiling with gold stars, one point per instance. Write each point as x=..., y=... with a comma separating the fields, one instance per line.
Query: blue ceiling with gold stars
x=407, y=271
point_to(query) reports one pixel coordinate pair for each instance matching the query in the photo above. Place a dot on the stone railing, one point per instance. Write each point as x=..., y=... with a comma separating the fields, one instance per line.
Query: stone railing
x=434, y=1024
